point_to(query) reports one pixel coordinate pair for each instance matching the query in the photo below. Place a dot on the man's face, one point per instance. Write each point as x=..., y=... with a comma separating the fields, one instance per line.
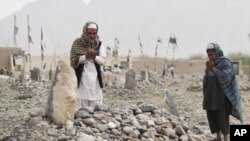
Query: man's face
x=211, y=55
x=91, y=33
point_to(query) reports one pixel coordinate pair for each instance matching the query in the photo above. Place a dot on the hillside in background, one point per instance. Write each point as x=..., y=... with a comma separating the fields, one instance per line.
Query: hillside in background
x=195, y=23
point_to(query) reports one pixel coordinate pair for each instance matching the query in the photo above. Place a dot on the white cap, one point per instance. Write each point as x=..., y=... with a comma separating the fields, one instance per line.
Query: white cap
x=92, y=26
x=210, y=46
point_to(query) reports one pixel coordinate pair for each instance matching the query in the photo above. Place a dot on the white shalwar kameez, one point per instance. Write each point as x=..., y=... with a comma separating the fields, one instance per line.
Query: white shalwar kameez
x=89, y=92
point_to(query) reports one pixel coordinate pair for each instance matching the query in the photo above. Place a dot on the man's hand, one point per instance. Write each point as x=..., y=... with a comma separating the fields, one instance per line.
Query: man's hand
x=210, y=65
x=90, y=54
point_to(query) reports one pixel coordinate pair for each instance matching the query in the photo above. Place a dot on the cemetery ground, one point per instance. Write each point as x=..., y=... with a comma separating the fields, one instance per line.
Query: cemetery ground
x=16, y=100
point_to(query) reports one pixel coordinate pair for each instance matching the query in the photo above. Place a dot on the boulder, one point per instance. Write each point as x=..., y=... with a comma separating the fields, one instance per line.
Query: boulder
x=62, y=96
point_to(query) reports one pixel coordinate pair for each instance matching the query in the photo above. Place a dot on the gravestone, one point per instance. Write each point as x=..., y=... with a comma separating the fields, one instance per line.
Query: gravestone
x=35, y=74
x=170, y=102
x=144, y=75
x=130, y=79
x=62, y=96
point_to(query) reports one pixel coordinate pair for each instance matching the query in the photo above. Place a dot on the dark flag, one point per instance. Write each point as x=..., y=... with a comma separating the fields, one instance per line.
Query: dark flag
x=42, y=47
x=159, y=40
x=15, y=31
x=129, y=55
x=30, y=40
x=117, y=41
x=115, y=50
x=140, y=43
x=44, y=66
x=172, y=40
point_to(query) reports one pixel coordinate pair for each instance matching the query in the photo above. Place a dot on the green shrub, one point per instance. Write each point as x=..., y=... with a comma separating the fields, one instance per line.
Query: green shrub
x=245, y=58
x=196, y=57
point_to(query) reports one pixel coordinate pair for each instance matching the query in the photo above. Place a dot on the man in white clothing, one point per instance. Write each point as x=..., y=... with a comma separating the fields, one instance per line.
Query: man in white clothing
x=86, y=56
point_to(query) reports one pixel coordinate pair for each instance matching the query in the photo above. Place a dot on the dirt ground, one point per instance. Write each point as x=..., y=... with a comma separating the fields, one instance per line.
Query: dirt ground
x=188, y=103
x=16, y=101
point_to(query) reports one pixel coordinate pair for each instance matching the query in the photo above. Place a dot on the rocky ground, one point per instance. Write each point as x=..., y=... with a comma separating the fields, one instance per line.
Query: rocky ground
x=137, y=114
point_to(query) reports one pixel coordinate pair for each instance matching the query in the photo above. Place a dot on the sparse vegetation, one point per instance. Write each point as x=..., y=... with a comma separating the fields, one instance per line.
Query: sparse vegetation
x=245, y=58
x=145, y=56
x=196, y=57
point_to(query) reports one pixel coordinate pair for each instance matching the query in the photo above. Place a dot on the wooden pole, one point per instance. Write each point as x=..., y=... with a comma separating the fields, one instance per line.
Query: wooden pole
x=29, y=42
x=156, y=54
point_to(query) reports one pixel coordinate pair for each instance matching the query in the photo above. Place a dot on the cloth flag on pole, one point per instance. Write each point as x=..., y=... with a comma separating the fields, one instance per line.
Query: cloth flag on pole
x=42, y=45
x=30, y=40
x=29, y=36
x=140, y=43
x=108, y=50
x=117, y=41
x=159, y=40
x=129, y=55
x=115, y=50
x=172, y=40
x=15, y=31
x=44, y=66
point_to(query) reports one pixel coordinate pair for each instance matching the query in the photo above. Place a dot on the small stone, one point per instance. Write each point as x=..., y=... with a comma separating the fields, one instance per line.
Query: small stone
x=185, y=126
x=174, y=124
x=100, y=116
x=179, y=130
x=88, y=121
x=142, y=117
x=101, y=107
x=85, y=137
x=52, y=132
x=196, y=138
x=134, y=134
x=77, y=121
x=127, y=130
x=115, y=132
x=197, y=130
x=149, y=139
x=169, y=132
x=148, y=108
x=145, y=134
x=42, y=125
x=111, y=125
x=87, y=109
x=63, y=138
x=69, y=124
x=102, y=127
x=160, y=121
x=138, y=111
x=82, y=114
x=95, y=130
x=35, y=120
x=184, y=138
x=150, y=123
x=37, y=111
x=71, y=131
x=151, y=132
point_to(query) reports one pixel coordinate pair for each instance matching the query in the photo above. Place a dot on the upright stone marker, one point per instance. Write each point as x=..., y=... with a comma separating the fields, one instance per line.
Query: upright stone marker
x=35, y=74
x=144, y=75
x=62, y=97
x=130, y=79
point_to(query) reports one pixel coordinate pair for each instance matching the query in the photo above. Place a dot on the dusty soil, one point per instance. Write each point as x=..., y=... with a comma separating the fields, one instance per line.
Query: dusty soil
x=17, y=99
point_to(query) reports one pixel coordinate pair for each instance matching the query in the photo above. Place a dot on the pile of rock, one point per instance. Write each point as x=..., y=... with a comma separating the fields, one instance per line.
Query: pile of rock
x=141, y=122
x=195, y=87
x=195, y=83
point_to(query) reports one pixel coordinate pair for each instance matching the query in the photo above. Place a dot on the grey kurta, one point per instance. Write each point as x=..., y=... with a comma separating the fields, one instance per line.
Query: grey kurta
x=217, y=106
x=214, y=99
